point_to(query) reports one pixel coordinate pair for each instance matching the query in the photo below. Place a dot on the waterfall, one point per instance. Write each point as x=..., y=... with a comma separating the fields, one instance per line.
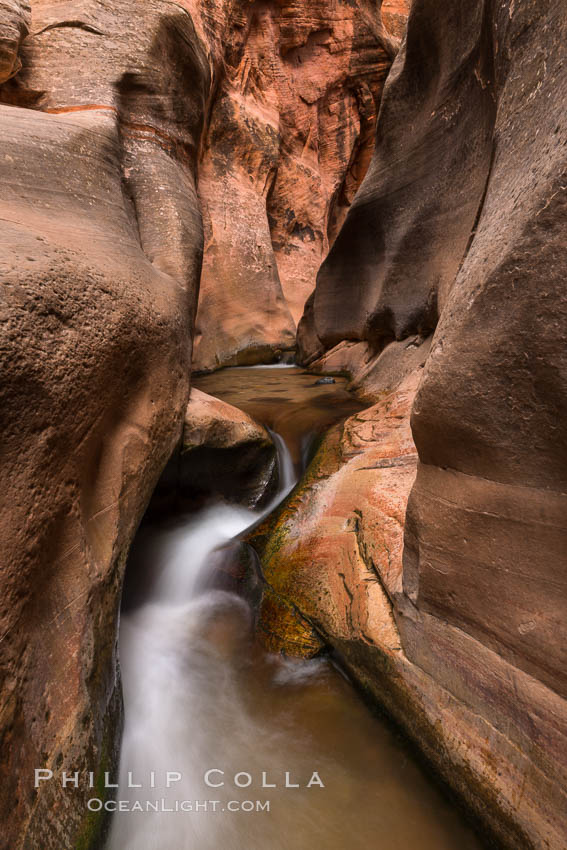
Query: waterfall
x=228, y=748
x=287, y=474
x=180, y=653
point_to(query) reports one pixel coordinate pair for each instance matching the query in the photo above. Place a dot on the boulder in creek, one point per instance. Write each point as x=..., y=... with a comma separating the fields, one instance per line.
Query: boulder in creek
x=225, y=453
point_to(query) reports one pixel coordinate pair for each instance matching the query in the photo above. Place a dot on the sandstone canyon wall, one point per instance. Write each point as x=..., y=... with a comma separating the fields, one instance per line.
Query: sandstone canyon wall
x=109, y=113
x=14, y=26
x=407, y=230
x=454, y=615
x=131, y=141
x=100, y=251
x=290, y=135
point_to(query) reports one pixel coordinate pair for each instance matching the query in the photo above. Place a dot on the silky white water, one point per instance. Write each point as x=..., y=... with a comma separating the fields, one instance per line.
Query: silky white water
x=199, y=696
x=182, y=650
x=286, y=469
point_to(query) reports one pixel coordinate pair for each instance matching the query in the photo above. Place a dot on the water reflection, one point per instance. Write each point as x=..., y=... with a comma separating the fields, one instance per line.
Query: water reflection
x=201, y=696
x=287, y=400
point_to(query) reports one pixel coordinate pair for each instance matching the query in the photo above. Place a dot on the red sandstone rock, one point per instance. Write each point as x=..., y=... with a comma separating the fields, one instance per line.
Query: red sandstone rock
x=14, y=26
x=465, y=199
x=101, y=247
x=225, y=453
x=336, y=550
x=335, y=555
x=373, y=374
x=395, y=15
x=487, y=525
x=218, y=425
x=463, y=641
x=100, y=250
x=290, y=137
x=408, y=227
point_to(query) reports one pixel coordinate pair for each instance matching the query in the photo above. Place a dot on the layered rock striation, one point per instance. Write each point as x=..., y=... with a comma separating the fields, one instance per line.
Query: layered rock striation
x=109, y=116
x=289, y=140
x=408, y=227
x=100, y=250
x=426, y=544
x=14, y=26
x=451, y=614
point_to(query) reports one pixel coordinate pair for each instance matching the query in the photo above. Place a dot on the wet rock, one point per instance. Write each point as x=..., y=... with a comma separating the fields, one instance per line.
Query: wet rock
x=335, y=550
x=225, y=453
x=372, y=374
x=234, y=568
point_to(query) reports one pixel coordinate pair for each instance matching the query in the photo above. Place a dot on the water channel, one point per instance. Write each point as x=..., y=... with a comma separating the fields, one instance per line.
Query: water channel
x=231, y=728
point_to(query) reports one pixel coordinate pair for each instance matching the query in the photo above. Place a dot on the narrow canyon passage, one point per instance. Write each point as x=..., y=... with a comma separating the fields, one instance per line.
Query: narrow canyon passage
x=191, y=192
x=201, y=696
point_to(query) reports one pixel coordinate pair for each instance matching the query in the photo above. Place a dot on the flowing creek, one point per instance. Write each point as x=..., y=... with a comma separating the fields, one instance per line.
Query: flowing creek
x=201, y=696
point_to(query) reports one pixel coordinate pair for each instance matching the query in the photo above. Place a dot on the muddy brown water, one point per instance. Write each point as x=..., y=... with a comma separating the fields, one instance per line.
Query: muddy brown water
x=286, y=399
x=236, y=725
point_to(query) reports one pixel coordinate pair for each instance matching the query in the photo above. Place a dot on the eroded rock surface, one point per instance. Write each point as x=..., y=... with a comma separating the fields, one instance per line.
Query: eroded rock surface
x=338, y=542
x=100, y=252
x=373, y=374
x=226, y=453
x=462, y=215
x=14, y=25
x=290, y=137
x=487, y=522
x=408, y=227
x=107, y=116
x=459, y=627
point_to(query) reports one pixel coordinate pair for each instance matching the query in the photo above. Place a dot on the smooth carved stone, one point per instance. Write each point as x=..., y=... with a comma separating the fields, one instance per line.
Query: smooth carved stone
x=94, y=385
x=372, y=374
x=100, y=251
x=14, y=26
x=335, y=556
x=489, y=510
x=224, y=452
x=466, y=200
x=289, y=141
x=334, y=552
x=217, y=424
x=408, y=227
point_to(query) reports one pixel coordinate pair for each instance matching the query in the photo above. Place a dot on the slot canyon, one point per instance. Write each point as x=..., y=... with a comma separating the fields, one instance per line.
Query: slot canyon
x=284, y=421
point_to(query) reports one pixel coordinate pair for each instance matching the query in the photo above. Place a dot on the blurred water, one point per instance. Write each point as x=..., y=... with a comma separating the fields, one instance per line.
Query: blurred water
x=200, y=695
x=287, y=472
